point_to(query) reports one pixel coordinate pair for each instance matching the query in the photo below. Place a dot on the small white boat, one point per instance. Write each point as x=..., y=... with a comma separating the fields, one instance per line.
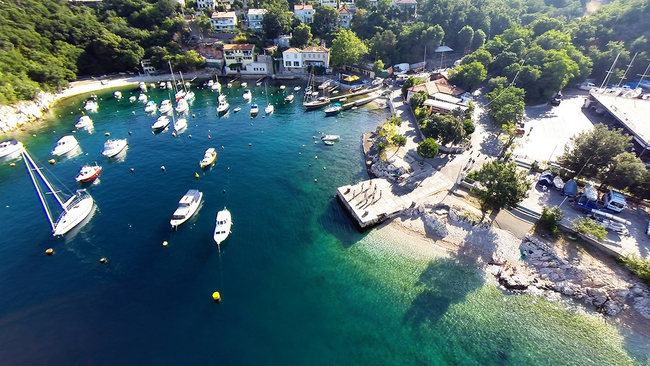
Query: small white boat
x=254, y=109
x=161, y=123
x=132, y=98
x=165, y=106
x=114, y=147
x=182, y=106
x=223, y=105
x=216, y=86
x=117, y=94
x=330, y=137
x=187, y=206
x=150, y=107
x=210, y=83
x=169, y=85
x=162, y=85
x=237, y=109
x=65, y=145
x=229, y=85
x=180, y=124
x=143, y=86
x=222, y=226
x=296, y=88
x=333, y=109
x=180, y=94
x=91, y=105
x=244, y=84
x=10, y=147
x=143, y=98
x=328, y=142
x=208, y=158
x=83, y=122
x=190, y=96
x=247, y=95
x=269, y=109
x=152, y=86
x=282, y=87
x=289, y=98
x=88, y=173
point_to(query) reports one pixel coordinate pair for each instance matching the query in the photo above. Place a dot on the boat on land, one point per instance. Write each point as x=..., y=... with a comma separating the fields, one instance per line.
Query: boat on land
x=161, y=123
x=325, y=84
x=91, y=105
x=247, y=95
x=187, y=206
x=88, y=173
x=10, y=147
x=254, y=109
x=330, y=137
x=333, y=110
x=74, y=210
x=150, y=107
x=65, y=145
x=83, y=122
x=165, y=106
x=208, y=158
x=222, y=226
x=114, y=147
x=223, y=105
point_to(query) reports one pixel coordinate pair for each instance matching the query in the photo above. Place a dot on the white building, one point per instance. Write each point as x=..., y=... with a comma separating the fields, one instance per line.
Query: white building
x=225, y=21
x=345, y=17
x=206, y=4
x=292, y=59
x=146, y=66
x=255, y=17
x=304, y=12
x=295, y=60
x=331, y=3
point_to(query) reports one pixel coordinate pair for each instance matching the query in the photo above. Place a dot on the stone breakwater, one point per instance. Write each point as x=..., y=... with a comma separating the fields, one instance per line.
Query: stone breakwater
x=16, y=115
x=530, y=266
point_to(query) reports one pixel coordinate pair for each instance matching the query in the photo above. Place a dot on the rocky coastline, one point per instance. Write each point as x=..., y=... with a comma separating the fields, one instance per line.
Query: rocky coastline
x=14, y=116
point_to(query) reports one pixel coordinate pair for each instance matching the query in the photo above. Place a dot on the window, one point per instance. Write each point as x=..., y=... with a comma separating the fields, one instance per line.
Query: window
x=296, y=63
x=287, y=63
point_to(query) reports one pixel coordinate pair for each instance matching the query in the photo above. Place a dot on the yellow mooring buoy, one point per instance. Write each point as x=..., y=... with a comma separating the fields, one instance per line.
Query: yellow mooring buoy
x=103, y=260
x=216, y=296
x=49, y=251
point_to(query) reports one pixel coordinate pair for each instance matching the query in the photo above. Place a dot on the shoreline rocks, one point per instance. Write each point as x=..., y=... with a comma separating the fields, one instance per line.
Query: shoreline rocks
x=18, y=114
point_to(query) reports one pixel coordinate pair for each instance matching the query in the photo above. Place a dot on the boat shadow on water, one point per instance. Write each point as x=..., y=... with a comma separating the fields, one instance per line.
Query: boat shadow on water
x=82, y=228
x=119, y=158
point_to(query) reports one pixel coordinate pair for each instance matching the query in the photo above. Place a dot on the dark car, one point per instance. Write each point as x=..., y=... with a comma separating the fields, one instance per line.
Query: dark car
x=556, y=99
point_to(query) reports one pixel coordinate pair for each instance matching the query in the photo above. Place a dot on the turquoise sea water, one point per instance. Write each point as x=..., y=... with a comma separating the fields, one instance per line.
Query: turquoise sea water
x=300, y=284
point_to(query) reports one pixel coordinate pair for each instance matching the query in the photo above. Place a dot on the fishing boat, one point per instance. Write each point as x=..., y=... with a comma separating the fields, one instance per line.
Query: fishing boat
x=187, y=206
x=180, y=124
x=161, y=123
x=75, y=209
x=65, y=145
x=223, y=105
x=165, y=106
x=254, y=109
x=247, y=95
x=208, y=158
x=330, y=137
x=83, y=122
x=91, y=105
x=150, y=107
x=117, y=95
x=88, y=173
x=222, y=226
x=289, y=98
x=333, y=110
x=114, y=147
x=10, y=147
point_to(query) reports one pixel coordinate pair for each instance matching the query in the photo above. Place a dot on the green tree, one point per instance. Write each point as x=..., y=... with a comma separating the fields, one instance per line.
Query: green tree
x=550, y=218
x=378, y=66
x=626, y=170
x=502, y=185
x=362, y=4
x=467, y=76
x=326, y=18
x=202, y=24
x=301, y=36
x=277, y=21
x=417, y=99
x=506, y=105
x=427, y=149
x=346, y=48
x=589, y=227
x=479, y=39
x=465, y=37
x=481, y=55
x=591, y=153
x=398, y=141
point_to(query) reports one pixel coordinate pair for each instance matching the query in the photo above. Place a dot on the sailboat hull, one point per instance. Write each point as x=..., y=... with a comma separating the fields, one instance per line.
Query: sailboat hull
x=78, y=207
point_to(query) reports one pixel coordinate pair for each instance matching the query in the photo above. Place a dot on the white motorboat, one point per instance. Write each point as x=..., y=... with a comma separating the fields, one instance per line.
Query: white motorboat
x=182, y=106
x=296, y=88
x=269, y=109
x=165, y=106
x=143, y=98
x=223, y=105
x=222, y=226
x=91, y=105
x=150, y=107
x=333, y=110
x=208, y=158
x=254, y=109
x=209, y=83
x=88, y=173
x=180, y=94
x=289, y=98
x=114, y=147
x=328, y=142
x=143, y=86
x=132, y=98
x=10, y=147
x=189, y=95
x=75, y=210
x=282, y=87
x=216, y=86
x=316, y=103
x=83, y=122
x=162, y=85
x=117, y=94
x=180, y=124
x=247, y=95
x=161, y=123
x=237, y=109
x=330, y=137
x=169, y=85
x=187, y=206
x=244, y=84
x=65, y=145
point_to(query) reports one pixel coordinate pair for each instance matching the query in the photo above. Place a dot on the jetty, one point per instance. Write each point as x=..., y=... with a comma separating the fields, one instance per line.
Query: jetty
x=373, y=201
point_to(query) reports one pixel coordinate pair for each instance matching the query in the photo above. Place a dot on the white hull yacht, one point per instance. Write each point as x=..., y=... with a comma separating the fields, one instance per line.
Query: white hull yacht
x=222, y=226
x=187, y=207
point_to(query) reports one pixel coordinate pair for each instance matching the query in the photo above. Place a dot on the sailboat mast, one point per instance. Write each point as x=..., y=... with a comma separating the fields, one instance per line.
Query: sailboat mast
x=28, y=164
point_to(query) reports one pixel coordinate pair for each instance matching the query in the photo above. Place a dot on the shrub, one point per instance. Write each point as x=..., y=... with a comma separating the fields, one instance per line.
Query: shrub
x=640, y=266
x=550, y=218
x=589, y=227
x=381, y=147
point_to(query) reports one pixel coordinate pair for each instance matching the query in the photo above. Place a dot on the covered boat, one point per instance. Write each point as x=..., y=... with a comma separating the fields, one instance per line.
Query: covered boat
x=187, y=206
x=570, y=188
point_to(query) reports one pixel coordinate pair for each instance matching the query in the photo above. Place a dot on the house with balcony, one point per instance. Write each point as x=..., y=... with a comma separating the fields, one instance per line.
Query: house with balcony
x=304, y=12
x=316, y=56
x=224, y=21
x=238, y=56
x=206, y=4
x=255, y=17
x=345, y=17
x=292, y=60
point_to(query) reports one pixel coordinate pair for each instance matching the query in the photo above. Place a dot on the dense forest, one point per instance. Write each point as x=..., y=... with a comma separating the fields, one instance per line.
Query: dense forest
x=47, y=43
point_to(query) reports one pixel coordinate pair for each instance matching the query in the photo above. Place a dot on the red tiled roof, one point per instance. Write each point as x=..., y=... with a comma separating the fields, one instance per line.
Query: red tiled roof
x=240, y=47
x=292, y=50
x=302, y=7
x=315, y=49
x=441, y=85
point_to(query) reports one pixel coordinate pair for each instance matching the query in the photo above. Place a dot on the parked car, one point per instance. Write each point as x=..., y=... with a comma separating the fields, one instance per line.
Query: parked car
x=556, y=99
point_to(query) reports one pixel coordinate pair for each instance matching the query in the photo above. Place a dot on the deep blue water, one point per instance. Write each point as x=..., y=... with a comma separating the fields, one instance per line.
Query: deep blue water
x=300, y=284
